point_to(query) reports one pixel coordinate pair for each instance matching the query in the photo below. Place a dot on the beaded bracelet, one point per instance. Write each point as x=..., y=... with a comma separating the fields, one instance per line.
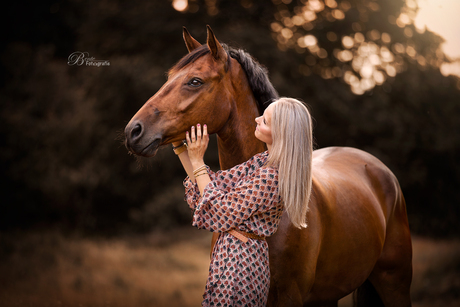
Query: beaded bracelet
x=204, y=173
x=199, y=169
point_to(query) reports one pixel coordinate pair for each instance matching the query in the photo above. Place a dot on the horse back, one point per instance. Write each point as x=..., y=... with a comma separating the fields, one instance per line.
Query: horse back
x=348, y=180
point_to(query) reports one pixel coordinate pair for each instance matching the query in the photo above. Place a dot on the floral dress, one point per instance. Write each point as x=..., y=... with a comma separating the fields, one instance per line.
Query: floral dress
x=245, y=198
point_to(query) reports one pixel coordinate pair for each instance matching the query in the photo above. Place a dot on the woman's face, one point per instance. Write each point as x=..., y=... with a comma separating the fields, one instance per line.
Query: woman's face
x=264, y=129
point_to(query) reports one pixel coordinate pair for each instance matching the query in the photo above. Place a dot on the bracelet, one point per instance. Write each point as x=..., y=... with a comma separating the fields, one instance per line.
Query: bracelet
x=205, y=173
x=201, y=168
x=180, y=150
x=177, y=147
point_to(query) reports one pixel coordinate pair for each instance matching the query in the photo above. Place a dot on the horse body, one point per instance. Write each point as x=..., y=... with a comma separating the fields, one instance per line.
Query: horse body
x=357, y=224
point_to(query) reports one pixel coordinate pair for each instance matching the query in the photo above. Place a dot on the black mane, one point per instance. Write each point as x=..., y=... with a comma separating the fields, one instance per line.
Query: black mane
x=257, y=75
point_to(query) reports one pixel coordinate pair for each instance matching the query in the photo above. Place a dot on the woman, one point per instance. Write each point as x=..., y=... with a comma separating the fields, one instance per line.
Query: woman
x=245, y=203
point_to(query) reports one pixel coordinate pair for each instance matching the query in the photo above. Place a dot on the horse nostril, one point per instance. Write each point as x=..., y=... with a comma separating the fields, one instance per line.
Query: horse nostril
x=137, y=130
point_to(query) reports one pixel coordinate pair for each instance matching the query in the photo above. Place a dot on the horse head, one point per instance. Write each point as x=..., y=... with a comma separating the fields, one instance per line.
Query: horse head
x=196, y=91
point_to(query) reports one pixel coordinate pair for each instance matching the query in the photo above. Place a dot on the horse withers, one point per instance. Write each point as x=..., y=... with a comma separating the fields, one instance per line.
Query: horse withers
x=358, y=234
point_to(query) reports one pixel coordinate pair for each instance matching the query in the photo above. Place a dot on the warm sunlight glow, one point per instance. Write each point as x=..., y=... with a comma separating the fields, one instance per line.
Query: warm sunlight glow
x=180, y=5
x=338, y=14
x=450, y=69
x=441, y=17
x=368, y=56
x=331, y=3
x=315, y=5
x=310, y=40
x=347, y=42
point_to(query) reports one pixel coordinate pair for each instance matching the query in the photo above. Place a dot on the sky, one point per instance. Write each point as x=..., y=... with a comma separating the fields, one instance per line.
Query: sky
x=442, y=17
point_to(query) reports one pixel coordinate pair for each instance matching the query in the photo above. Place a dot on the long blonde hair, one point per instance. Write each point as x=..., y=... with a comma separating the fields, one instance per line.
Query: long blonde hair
x=291, y=152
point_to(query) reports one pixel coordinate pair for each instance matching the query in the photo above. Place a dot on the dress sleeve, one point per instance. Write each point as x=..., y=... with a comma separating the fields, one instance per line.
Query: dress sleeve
x=222, y=179
x=224, y=209
x=192, y=192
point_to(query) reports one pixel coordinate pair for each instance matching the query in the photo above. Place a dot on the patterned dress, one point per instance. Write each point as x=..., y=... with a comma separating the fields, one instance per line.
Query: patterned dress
x=245, y=198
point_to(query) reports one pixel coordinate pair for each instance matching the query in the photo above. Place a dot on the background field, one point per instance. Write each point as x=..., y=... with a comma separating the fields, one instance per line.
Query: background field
x=164, y=269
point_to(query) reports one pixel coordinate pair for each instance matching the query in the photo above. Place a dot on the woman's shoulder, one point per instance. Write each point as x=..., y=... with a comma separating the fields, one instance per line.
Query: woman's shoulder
x=263, y=169
x=260, y=158
x=270, y=171
x=266, y=178
x=246, y=168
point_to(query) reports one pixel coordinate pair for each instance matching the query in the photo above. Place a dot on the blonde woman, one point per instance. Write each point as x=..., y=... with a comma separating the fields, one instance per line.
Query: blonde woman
x=245, y=203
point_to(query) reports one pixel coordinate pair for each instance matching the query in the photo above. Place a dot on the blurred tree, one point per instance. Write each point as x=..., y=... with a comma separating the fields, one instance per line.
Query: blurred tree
x=364, y=42
x=372, y=81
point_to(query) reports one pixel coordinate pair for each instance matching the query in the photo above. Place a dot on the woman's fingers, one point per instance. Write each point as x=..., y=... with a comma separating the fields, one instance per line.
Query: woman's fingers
x=196, y=135
x=205, y=134
x=197, y=142
x=198, y=132
x=193, y=134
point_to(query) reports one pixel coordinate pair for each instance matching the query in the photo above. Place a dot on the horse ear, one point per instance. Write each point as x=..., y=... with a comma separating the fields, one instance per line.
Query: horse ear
x=216, y=48
x=190, y=42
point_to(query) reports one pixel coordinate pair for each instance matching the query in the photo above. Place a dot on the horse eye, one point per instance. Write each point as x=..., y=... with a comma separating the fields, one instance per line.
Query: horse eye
x=195, y=82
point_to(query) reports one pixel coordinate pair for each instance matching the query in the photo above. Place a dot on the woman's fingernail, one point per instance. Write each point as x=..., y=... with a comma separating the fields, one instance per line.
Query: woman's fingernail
x=198, y=125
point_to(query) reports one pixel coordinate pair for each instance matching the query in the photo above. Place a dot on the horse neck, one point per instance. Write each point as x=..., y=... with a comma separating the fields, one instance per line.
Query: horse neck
x=236, y=141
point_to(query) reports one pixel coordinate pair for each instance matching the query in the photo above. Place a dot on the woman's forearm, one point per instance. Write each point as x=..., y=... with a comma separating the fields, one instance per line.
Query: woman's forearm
x=202, y=179
x=192, y=161
x=186, y=163
x=201, y=176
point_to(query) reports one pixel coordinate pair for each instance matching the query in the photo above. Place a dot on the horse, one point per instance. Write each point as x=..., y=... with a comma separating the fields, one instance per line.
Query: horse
x=358, y=238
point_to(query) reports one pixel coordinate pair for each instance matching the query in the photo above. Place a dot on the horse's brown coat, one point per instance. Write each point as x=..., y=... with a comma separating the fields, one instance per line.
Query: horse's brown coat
x=357, y=222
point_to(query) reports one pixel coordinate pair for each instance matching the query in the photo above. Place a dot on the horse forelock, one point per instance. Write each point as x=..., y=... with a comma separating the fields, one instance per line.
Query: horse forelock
x=257, y=75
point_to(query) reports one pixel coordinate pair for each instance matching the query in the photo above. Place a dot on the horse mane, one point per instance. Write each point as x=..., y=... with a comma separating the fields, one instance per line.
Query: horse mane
x=257, y=75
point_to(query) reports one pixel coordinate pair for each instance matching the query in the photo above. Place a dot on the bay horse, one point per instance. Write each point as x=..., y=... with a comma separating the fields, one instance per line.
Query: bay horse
x=358, y=235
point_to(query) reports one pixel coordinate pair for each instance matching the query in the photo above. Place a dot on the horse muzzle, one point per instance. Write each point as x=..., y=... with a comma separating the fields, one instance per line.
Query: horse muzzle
x=137, y=142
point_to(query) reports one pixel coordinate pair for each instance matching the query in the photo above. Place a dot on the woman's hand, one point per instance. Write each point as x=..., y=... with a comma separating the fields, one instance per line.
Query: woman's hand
x=197, y=143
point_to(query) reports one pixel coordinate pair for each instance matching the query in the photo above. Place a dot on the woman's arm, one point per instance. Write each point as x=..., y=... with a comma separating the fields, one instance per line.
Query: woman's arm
x=192, y=158
x=184, y=159
x=220, y=210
